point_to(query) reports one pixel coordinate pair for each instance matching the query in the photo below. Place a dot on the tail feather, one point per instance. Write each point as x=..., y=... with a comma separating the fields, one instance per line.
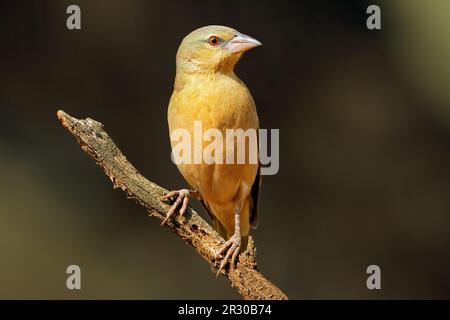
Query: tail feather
x=220, y=228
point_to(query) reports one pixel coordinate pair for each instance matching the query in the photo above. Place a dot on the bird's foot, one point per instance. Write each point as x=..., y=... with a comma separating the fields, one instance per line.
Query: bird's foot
x=181, y=198
x=232, y=247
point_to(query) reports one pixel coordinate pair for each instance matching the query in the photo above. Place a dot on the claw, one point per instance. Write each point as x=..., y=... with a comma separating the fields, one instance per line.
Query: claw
x=232, y=248
x=182, y=198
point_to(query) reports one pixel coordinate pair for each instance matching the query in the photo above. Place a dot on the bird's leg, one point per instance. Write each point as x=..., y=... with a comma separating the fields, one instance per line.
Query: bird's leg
x=181, y=198
x=233, y=245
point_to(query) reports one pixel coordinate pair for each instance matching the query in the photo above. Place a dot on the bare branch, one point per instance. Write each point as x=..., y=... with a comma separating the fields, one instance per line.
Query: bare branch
x=89, y=133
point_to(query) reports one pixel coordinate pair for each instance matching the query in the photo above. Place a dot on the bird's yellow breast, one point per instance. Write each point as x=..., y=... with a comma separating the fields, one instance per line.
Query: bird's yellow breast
x=219, y=101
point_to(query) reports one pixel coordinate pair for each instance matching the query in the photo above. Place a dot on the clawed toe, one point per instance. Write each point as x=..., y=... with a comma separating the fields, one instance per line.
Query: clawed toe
x=232, y=248
x=182, y=198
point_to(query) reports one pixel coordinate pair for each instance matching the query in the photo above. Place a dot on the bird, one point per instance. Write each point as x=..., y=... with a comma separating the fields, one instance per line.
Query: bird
x=207, y=89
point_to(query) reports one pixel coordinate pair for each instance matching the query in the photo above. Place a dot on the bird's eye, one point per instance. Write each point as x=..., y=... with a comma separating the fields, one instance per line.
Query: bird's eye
x=213, y=40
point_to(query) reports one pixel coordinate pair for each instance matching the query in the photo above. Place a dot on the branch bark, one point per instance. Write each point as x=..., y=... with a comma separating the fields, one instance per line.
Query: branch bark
x=246, y=278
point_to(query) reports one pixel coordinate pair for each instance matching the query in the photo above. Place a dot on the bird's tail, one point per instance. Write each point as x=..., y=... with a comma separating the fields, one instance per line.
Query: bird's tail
x=220, y=228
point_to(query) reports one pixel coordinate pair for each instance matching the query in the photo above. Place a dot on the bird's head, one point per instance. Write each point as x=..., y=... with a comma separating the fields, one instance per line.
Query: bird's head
x=213, y=49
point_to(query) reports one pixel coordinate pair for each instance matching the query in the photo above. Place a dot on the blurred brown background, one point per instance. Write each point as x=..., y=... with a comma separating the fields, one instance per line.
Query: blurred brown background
x=364, y=119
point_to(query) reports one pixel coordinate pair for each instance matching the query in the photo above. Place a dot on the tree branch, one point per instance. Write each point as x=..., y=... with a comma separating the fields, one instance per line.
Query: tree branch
x=89, y=133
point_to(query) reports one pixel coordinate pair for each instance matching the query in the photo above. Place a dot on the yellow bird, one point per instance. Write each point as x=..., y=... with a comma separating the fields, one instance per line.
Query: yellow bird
x=206, y=89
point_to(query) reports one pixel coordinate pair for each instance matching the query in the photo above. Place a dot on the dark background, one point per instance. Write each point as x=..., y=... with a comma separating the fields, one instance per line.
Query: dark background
x=364, y=119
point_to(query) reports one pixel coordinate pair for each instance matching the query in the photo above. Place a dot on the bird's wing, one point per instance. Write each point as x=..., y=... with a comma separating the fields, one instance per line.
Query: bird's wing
x=254, y=194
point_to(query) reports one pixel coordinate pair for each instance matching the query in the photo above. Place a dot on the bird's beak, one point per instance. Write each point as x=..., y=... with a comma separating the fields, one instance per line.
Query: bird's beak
x=242, y=43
